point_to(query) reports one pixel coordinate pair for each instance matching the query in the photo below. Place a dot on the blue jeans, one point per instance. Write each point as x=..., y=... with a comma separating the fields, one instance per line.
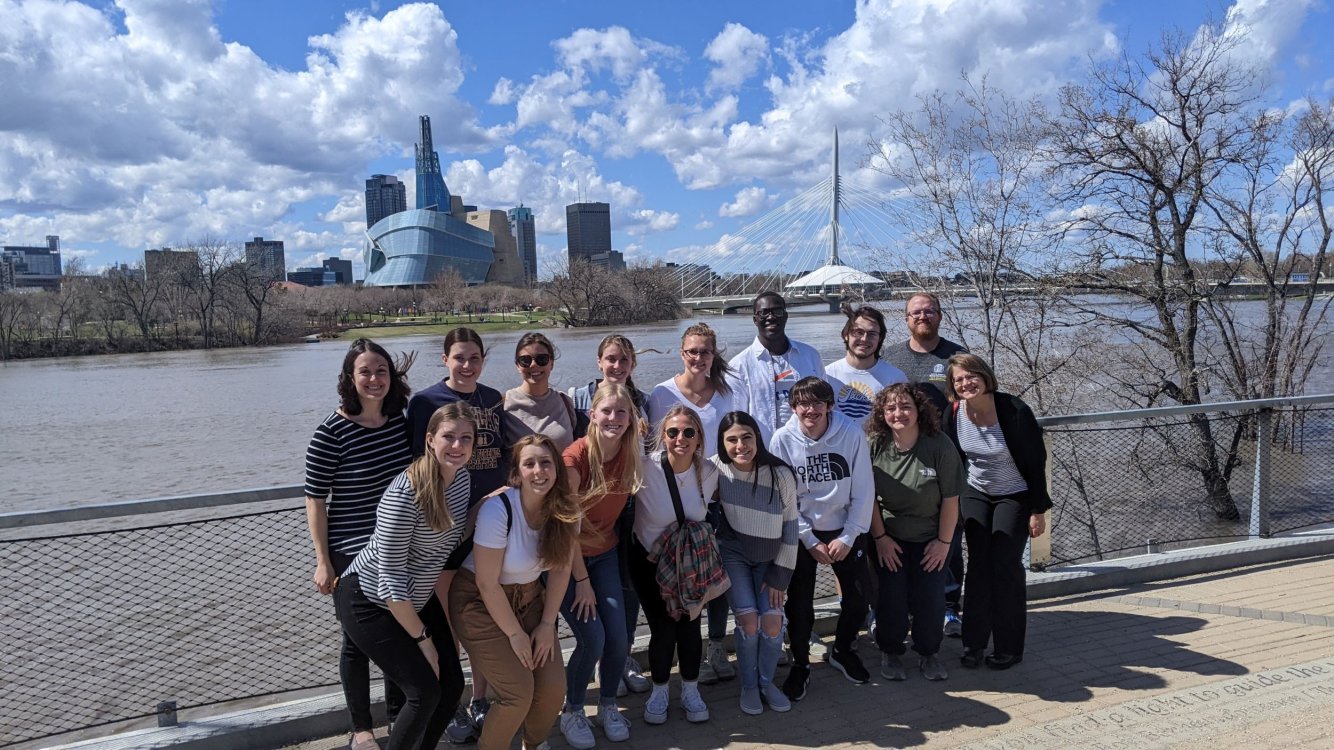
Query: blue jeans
x=745, y=594
x=910, y=589
x=756, y=655
x=600, y=640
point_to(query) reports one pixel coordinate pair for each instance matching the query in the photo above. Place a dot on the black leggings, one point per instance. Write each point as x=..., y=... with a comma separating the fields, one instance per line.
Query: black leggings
x=667, y=635
x=852, y=573
x=429, y=700
x=995, y=596
x=354, y=671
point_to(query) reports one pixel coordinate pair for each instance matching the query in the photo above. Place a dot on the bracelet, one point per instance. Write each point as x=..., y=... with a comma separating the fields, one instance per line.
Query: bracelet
x=581, y=580
x=882, y=536
x=548, y=624
x=942, y=541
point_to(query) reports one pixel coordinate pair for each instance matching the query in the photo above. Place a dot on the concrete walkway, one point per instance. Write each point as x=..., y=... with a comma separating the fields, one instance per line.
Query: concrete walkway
x=1237, y=659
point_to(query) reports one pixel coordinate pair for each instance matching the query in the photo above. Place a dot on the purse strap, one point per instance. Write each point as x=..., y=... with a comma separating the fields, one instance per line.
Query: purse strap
x=676, y=493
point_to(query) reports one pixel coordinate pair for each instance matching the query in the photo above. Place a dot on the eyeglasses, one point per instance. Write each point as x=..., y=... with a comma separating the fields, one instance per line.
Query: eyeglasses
x=924, y=314
x=967, y=377
x=858, y=333
x=527, y=360
x=771, y=313
x=807, y=404
x=688, y=432
x=697, y=353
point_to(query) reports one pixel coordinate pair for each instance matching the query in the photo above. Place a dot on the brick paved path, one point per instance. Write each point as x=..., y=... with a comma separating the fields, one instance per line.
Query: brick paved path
x=1242, y=659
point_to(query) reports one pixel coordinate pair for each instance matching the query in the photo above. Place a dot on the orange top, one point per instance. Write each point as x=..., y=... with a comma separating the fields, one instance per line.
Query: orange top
x=600, y=512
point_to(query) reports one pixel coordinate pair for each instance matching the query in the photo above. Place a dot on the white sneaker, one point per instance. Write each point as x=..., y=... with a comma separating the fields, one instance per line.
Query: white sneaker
x=655, y=708
x=613, y=723
x=693, y=703
x=574, y=726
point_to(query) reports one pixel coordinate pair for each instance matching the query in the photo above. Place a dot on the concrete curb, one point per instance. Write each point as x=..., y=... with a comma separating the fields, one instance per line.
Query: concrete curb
x=306, y=719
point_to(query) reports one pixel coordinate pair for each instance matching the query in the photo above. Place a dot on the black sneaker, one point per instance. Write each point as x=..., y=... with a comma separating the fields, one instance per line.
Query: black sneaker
x=461, y=730
x=794, y=687
x=849, y=664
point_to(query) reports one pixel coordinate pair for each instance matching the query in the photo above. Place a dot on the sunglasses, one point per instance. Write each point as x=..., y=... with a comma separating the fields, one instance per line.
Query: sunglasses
x=688, y=432
x=527, y=360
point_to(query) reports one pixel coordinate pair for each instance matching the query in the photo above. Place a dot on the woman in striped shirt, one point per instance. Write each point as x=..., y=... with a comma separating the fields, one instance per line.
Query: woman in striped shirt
x=389, y=601
x=355, y=453
x=757, y=538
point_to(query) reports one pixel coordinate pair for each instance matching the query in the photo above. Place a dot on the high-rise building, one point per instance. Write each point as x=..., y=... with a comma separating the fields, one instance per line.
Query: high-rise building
x=587, y=230
x=180, y=264
x=506, y=267
x=267, y=256
x=312, y=277
x=431, y=190
x=342, y=269
x=33, y=267
x=385, y=195
x=525, y=239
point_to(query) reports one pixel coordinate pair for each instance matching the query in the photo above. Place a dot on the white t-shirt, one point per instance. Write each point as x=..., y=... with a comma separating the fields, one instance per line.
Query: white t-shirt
x=665, y=395
x=854, y=390
x=522, y=564
x=653, y=503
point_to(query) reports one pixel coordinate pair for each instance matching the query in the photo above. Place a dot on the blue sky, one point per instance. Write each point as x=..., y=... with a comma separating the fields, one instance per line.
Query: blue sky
x=144, y=123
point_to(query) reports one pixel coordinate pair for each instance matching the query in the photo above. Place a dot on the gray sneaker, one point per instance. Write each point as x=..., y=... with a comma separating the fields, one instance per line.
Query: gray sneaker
x=891, y=668
x=614, y=725
x=750, y=701
x=775, y=697
x=706, y=674
x=953, y=626
x=633, y=677
x=575, y=728
x=932, y=668
x=717, y=658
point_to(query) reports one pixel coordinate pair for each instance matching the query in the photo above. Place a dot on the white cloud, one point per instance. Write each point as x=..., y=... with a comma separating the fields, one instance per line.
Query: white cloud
x=704, y=224
x=749, y=201
x=649, y=221
x=737, y=54
x=163, y=131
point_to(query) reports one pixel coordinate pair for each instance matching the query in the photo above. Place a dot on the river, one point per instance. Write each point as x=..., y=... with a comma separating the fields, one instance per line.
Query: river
x=87, y=430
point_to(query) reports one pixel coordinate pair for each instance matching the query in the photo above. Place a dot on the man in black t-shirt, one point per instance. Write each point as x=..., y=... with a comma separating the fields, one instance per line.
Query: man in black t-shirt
x=923, y=358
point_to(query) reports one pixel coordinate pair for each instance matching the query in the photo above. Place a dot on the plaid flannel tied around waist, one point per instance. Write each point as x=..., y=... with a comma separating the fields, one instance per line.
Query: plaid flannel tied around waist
x=689, y=569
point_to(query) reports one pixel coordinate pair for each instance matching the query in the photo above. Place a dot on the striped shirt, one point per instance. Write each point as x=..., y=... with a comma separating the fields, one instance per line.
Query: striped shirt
x=991, y=468
x=405, y=556
x=351, y=465
x=760, y=518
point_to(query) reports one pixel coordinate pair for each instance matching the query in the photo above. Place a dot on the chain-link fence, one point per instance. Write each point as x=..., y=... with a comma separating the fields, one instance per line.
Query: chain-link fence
x=102, y=626
x=1150, y=483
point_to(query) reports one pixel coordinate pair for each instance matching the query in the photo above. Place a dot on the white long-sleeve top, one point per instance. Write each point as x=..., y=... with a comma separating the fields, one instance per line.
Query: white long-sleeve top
x=835, y=486
x=762, y=381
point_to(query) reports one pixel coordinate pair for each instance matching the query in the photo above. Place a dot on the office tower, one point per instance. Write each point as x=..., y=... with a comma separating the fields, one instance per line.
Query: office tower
x=33, y=266
x=385, y=195
x=342, y=269
x=525, y=239
x=431, y=190
x=267, y=256
x=587, y=230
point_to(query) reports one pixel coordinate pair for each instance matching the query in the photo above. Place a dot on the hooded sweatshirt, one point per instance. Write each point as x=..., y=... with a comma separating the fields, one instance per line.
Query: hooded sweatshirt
x=835, y=487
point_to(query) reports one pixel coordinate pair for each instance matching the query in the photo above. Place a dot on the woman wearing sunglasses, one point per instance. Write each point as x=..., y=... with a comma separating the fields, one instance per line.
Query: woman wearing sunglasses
x=535, y=407
x=678, y=450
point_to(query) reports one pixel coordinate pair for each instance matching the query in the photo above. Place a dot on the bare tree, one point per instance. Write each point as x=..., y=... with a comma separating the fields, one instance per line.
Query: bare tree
x=215, y=266
x=136, y=294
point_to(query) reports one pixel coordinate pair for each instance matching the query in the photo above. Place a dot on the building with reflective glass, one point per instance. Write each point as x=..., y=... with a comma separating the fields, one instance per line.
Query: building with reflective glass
x=413, y=248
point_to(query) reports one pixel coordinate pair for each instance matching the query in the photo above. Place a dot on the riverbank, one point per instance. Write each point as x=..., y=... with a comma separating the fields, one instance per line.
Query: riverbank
x=427, y=327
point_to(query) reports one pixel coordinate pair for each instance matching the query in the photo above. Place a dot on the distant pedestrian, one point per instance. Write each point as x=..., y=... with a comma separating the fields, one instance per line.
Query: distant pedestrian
x=923, y=358
x=504, y=614
x=536, y=407
x=353, y=456
x=1002, y=505
x=918, y=478
x=388, y=602
x=757, y=537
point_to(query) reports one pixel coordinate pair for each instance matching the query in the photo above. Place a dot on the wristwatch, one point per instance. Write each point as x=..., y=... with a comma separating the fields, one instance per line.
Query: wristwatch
x=426, y=633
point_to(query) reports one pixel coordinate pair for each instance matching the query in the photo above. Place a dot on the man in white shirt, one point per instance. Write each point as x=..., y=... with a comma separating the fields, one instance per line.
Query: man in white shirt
x=764, y=372
x=860, y=374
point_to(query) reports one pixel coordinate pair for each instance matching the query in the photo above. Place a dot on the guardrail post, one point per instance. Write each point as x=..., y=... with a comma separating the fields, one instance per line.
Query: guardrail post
x=1260, y=488
x=1039, y=549
x=166, y=714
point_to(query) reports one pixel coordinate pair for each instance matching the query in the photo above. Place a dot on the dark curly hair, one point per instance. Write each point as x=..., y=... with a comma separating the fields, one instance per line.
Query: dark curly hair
x=928, y=419
x=396, y=400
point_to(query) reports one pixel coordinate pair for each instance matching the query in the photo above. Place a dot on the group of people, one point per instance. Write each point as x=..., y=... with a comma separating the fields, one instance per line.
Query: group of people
x=465, y=519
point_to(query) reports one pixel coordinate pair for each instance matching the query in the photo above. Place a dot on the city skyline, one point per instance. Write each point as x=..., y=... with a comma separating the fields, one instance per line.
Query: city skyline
x=239, y=120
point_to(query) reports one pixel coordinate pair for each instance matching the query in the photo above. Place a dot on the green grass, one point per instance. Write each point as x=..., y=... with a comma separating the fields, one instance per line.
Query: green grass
x=440, y=329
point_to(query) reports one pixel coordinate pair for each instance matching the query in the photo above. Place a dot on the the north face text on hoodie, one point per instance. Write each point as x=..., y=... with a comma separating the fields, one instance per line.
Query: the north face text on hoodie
x=824, y=467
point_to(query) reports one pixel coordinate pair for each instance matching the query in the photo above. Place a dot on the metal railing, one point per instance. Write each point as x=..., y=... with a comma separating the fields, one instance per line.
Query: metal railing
x=112, y=610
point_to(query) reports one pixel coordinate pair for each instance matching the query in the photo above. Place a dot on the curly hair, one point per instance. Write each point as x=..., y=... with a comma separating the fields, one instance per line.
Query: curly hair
x=928, y=419
x=562, y=509
x=396, y=398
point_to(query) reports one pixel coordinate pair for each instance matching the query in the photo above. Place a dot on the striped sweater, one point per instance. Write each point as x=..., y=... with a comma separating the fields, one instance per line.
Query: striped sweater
x=351, y=466
x=760, y=518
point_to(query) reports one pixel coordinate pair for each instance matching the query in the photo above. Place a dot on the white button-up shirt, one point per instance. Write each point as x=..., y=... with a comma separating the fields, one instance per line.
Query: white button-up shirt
x=761, y=382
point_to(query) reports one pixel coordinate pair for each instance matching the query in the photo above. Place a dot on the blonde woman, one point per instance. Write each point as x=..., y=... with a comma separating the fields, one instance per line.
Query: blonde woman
x=604, y=468
x=505, y=617
x=389, y=599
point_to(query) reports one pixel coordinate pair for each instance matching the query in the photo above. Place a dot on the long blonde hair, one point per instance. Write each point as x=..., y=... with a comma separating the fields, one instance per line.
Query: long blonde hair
x=696, y=458
x=424, y=473
x=561, y=511
x=632, y=475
